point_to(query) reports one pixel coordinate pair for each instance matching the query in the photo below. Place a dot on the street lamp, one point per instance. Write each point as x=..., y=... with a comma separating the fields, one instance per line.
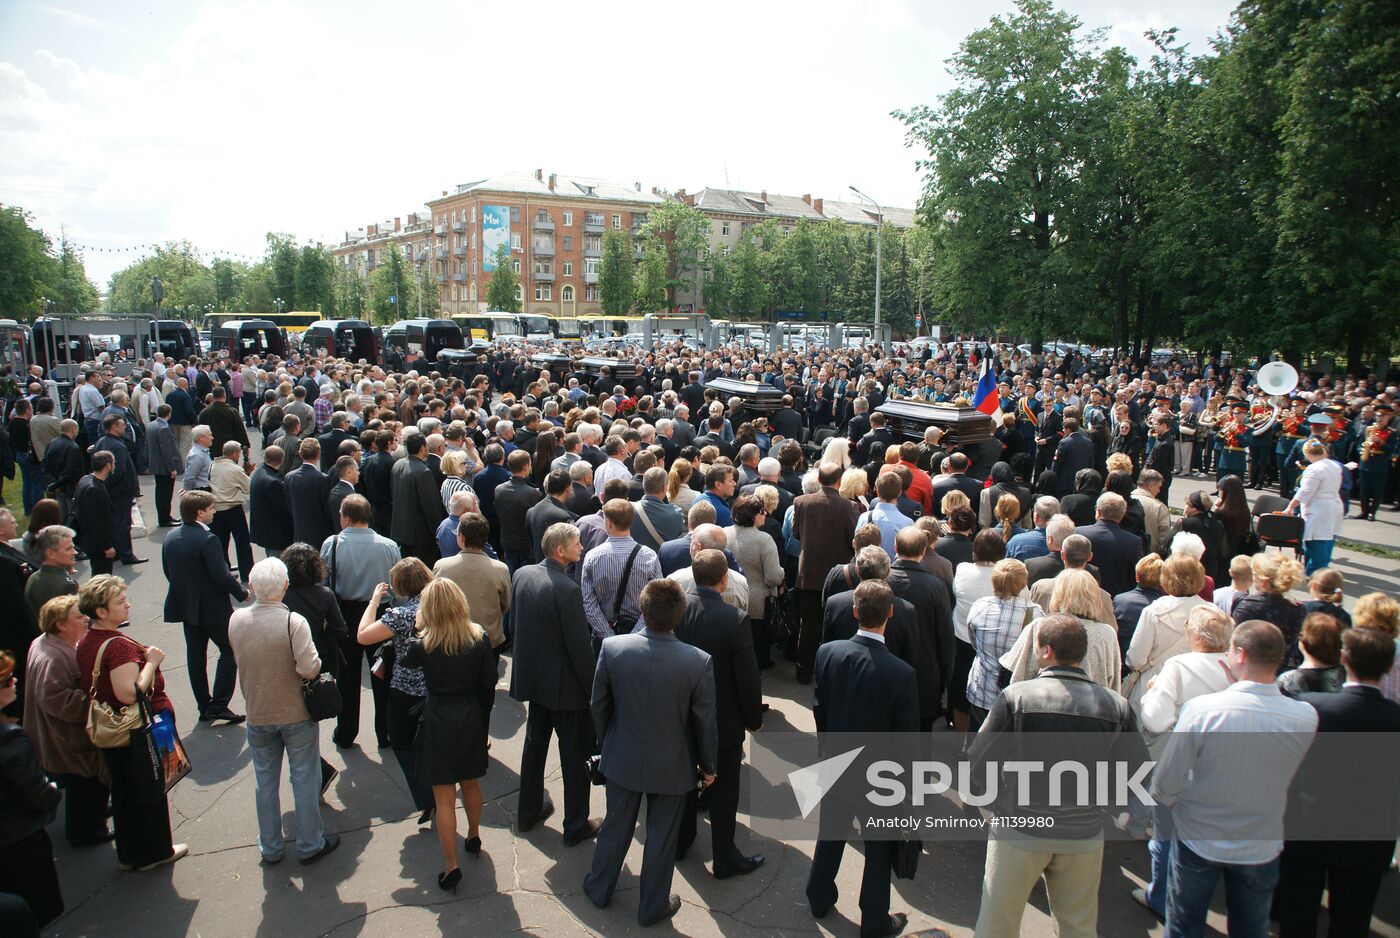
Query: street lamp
x=879, y=236
x=279, y=303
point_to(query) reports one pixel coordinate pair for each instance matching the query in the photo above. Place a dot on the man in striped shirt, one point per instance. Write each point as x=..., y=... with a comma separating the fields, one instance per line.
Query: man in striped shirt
x=603, y=570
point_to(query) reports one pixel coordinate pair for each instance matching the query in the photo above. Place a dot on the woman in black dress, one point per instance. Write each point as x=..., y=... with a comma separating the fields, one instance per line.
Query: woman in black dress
x=310, y=599
x=455, y=657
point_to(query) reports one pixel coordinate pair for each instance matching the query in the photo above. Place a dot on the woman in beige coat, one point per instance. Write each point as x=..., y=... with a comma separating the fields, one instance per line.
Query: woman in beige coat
x=757, y=553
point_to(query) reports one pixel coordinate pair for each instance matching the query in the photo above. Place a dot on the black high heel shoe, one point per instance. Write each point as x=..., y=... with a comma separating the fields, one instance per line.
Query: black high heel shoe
x=473, y=846
x=427, y=816
x=447, y=882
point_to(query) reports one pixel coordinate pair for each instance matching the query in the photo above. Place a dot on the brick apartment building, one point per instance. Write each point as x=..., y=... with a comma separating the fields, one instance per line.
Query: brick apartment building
x=362, y=250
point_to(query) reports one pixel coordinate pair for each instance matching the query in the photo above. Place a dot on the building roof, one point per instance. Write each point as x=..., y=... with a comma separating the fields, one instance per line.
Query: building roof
x=570, y=187
x=776, y=205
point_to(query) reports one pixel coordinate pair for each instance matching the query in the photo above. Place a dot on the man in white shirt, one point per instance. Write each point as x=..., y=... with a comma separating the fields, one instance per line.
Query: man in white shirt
x=1225, y=774
x=614, y=467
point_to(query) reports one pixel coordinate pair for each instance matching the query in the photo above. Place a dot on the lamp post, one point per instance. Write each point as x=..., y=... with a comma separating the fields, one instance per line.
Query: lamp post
x=879, y=236
x=279, y=303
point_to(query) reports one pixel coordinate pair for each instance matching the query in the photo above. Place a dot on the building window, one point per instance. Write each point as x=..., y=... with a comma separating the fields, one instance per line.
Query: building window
x=590, y=265
x=568, y=219
x=567, y=293
x=617, y=221
x=568, y=242
x=568, y=268
x=454, y=293
x=519, y=293
x=471, y=288
x=515, y=266
x=473, y=240
x=544, y=291
x=473, y=210
x=515, y=214
x=592, y=243
x=724, y=228
x=544, y=265
x=542, y=215
x=515, y=241
x=590, y=293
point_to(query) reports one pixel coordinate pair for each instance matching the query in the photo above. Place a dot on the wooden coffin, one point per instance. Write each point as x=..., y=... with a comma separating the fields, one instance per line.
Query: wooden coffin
x=556, y=364
x=758, y=398
x=620, y=368
x=964, y=425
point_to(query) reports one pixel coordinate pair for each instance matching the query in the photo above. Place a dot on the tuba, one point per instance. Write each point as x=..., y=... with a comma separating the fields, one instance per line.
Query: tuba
x=1275, y=379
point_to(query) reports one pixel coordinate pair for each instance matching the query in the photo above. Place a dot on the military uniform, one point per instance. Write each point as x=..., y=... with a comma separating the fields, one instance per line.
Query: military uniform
x=1232, y=443
x=1292, y=429
x=1259, y=456
x=1375, y=455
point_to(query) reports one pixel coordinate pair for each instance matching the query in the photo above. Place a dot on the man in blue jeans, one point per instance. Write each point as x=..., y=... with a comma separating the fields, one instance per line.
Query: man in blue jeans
x=274, y=648
x=1225, y=775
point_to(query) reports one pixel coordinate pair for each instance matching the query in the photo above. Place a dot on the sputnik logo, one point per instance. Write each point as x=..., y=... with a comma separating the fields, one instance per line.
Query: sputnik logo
x=810, y=784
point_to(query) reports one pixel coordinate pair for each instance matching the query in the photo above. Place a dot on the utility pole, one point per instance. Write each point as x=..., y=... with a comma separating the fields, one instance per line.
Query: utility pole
x=879, y=236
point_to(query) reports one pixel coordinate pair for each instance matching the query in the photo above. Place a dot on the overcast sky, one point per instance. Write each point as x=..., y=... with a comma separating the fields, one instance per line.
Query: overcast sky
x=148, y=120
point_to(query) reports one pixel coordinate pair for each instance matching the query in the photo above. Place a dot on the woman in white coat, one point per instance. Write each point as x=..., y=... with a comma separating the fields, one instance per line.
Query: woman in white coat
x=1161, y=630
x=1319, y=497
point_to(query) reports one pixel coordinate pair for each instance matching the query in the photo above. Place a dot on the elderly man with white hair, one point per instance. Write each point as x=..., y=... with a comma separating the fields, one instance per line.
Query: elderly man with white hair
x=200, y=460
x=712, y=537
x=461, y=502
x=275, y=650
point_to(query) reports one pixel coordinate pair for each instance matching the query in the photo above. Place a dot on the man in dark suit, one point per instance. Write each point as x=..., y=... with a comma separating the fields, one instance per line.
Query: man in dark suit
x=933, y=604
x=714, y=436
x=839, y=618
x=785, y=421
x=1075, y=452
x=654, y=709
x=63, y=461
x=223, y=421
x=378, y=483
x=552, y=671
x=93, y=516
x=954, y=478
x=692, y=394
x=123, y=484
x=548, y=511
x=200, y=584
x=269, y=520
x=770, y=472
x=163, y=458
x=1351, y=871
x=306, y=493
x=344, y=477
x=514, y=498
x=582, y=499
x=417, y=505
x=1116, y=550
x=872, y=446
x=824, y=523
x=859, y=686
x=330, y=440
x=723, y=632
x=859, y=424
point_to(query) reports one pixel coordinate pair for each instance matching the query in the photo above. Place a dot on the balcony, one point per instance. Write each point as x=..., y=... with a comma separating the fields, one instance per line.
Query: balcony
x=441, y=253
x=542, y=224
x=592, y=252
x=459, y=251
x=442, y=278
x=543, y=248
x=459, y=226
x=543, y=276
x=440, y=230
x=460, y=278
x=420, y=257
x=593, y=224
x=590, y=277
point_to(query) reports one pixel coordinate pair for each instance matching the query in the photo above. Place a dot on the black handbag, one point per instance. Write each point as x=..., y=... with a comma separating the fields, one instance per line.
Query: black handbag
x=320, y=694
x=624, y=624
x=906, y=858
x=145, y=770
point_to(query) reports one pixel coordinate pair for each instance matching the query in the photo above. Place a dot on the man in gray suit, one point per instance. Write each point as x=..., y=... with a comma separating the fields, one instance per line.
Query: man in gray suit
x=655, y=522
x=654, y=708
x=163, y=456
x=552, y=671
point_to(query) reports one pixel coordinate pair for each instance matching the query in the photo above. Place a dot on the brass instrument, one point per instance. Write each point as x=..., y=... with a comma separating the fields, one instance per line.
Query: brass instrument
x=1276, y=379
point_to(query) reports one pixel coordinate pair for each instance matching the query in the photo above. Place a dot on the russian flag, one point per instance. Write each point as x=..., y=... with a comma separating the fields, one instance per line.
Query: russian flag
x=986, y=398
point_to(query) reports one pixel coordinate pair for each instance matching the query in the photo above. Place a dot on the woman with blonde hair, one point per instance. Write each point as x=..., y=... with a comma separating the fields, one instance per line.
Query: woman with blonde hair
x=460, y=673
x=1161, y=630
x=1008, y=513
x=854, y=484
x=837, y=450
x=995, y=622
x=1076, y=593
x=1275, y=574
x=678, y=490
x=1325, y=588
x=1381, y=612
x=454, y=470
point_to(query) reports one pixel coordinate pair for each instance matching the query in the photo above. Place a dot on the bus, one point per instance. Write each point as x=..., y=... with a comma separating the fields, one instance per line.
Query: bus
x=565, y=328
x=174, y=339
x=598, y=326
x=350, y=339
x=488, y=327
x=535, y=327
x=240, y=338
x=58, y=342
x=16, y=346
x=414, y=340
x=293, y=323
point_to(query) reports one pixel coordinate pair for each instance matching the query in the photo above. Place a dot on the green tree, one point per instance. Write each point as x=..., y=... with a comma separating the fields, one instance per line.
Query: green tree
x=747, y=289
x=682, y=231
x=282, y=259
x=615, y=278
x=315, y=281
x=392, y=287
x=227, y=278
x=24, y=264
x=649, y=291
x=68, y=285
x=429, y=297
x=501, y=290
x=352, y=293
x=189, y=285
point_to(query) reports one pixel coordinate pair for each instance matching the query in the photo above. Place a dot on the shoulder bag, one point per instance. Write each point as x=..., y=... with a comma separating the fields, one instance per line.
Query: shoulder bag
x=146, y=767
x=651, y=529
x=624, y=624
x=110, y=727
x=320, y=693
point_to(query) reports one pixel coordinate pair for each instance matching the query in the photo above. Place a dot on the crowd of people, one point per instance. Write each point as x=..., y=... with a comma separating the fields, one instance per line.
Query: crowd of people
x=643, y=548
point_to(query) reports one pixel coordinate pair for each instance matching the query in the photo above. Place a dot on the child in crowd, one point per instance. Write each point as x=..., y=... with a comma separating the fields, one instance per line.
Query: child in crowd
x=1325, y=586
x=1241, y=577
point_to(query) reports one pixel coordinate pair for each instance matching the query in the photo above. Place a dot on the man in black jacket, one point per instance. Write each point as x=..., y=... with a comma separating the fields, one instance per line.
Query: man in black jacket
x=269, y=519
x=330, y=440
x=417, y=503
x=123, y=484
x=859, y=686
x=306, y=495
x=514, y=498
x=933, y=603
x=840, y=618
x=955, y=478
x=223, y=421
x=714, y=626
x=93, y=516
x=1075, y=452
x=871, y=447
x=63, y=461
x=552, y=671
x=549, y=511
x=200, y=584
x=1117, y=550
x=377, y=481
